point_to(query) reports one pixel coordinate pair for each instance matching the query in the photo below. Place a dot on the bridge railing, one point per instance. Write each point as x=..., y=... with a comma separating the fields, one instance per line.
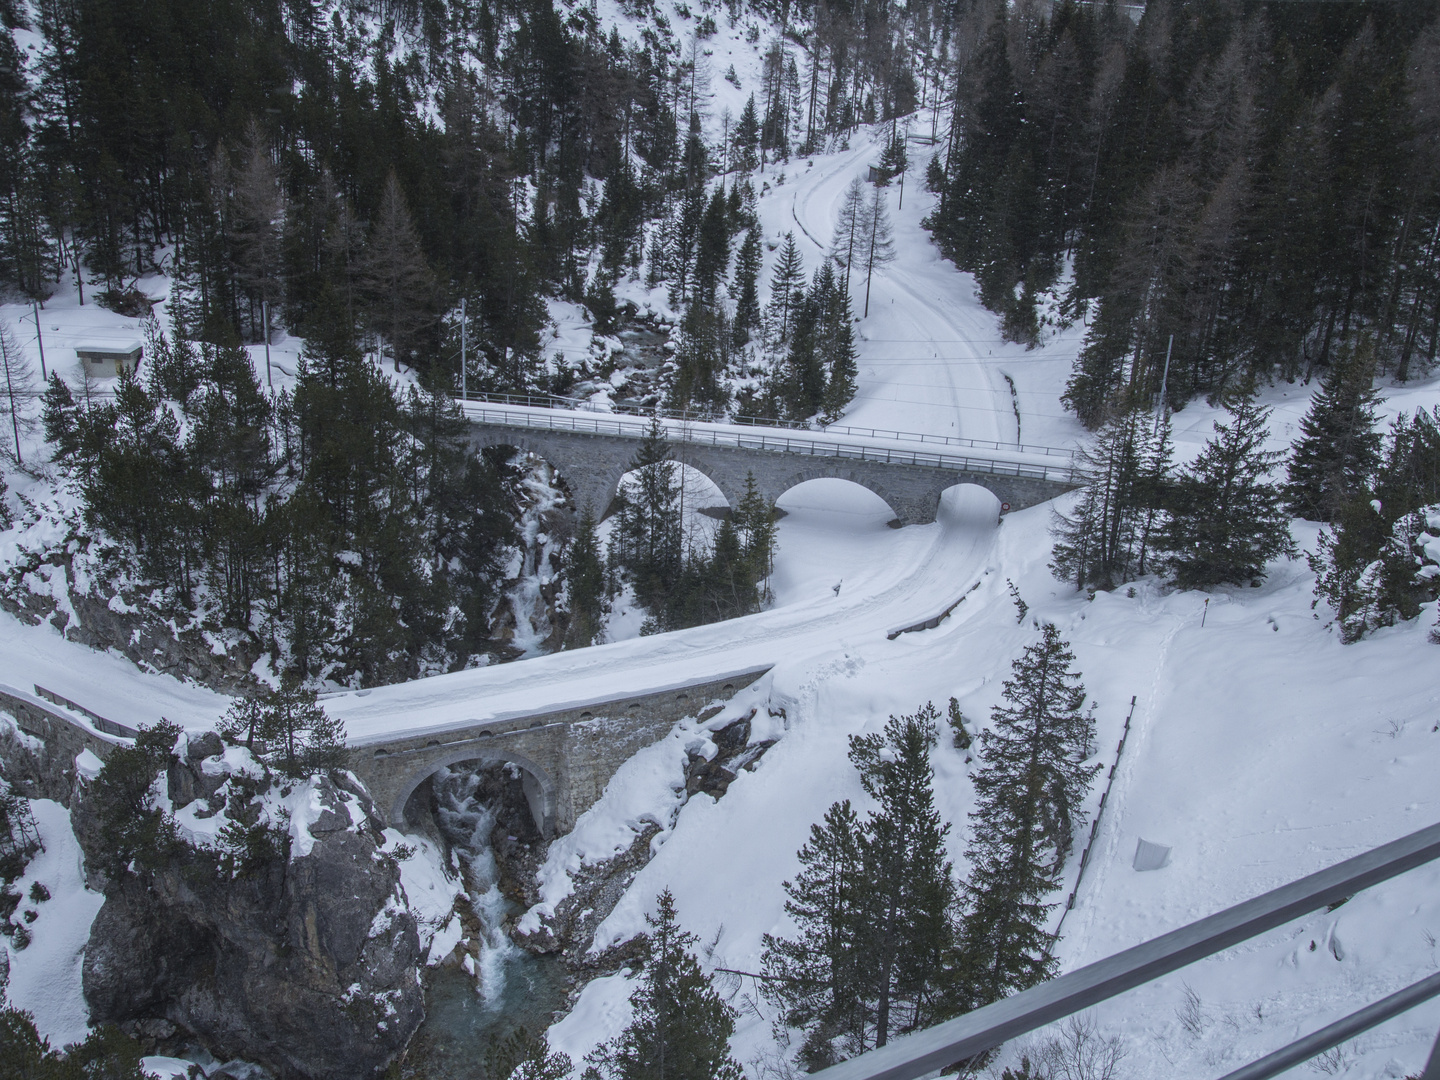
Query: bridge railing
x=554, y=401
x=971, y=1035
x=789, y=442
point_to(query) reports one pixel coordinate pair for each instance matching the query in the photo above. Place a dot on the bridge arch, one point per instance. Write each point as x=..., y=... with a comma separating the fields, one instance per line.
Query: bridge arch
x=539, y=785
x=837, y=469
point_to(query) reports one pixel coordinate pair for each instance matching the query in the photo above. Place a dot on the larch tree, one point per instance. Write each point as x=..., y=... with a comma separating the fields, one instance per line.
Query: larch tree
x=1106, y=538
x=398, y=283
x=878, y=247
x=849, y=224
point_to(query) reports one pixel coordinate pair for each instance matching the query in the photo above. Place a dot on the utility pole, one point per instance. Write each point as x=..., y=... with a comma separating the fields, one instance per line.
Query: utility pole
x=1164, y=378
x=39, y=340
x=265, y=317
x=464, y=392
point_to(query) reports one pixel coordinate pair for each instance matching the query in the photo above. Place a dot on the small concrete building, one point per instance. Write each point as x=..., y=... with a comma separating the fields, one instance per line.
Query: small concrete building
x=110, y=359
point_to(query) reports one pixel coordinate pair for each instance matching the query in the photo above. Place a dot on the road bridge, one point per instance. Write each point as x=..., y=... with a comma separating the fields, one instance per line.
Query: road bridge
x=592, y=451
x=566, y=756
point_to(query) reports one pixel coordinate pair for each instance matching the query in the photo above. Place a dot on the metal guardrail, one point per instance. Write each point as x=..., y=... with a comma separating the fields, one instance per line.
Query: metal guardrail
x=558, y=420
x=967, y=1036
x=555, y=401
x=109, y=727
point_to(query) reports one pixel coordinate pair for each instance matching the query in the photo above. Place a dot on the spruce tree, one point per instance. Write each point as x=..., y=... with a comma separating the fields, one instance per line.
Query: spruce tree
x=747, y=296
x=713, y=248
x=586, y=586
x=787, y=289
x=1226, y=518
x=646, y=541
x=1124, y=474
x=1339, y=447
x=680, y=1027
x=1029, y=787
x=746, y=139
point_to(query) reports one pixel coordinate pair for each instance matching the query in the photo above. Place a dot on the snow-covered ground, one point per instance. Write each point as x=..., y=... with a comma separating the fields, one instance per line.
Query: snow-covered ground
x=1261, y=748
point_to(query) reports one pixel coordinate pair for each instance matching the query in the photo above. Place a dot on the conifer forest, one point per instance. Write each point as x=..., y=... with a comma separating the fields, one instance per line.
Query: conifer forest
x=699, y=539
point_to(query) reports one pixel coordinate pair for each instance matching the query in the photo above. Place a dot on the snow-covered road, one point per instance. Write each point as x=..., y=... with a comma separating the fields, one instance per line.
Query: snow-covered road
x=912, y=574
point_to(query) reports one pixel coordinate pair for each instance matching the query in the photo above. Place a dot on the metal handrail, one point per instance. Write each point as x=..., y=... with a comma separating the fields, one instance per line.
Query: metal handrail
x=555, y=401
x=967, y=1036
x=558, y=420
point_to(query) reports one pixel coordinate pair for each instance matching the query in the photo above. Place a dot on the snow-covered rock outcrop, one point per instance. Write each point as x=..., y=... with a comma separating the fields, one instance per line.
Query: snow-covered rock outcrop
x=303, y=957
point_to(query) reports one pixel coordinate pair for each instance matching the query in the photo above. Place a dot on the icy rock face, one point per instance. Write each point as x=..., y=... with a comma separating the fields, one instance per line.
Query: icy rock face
x=309, y=965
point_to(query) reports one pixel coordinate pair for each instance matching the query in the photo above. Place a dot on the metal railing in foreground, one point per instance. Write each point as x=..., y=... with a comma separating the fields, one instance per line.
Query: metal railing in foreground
x=783, y=442
x=963, y=1038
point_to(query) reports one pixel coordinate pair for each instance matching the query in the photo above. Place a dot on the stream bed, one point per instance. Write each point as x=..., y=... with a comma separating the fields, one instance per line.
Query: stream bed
x=499, y=987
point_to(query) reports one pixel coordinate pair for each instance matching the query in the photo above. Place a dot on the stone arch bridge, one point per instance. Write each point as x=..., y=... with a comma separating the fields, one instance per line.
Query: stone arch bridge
x=566, y=756
x=593, y=451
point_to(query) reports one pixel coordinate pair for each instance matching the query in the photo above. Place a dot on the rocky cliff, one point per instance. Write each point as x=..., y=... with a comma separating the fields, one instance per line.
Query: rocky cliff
x=270, y=927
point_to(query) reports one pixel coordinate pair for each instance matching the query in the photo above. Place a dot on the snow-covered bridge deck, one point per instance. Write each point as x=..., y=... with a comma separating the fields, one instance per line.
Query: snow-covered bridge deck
x=593, y=451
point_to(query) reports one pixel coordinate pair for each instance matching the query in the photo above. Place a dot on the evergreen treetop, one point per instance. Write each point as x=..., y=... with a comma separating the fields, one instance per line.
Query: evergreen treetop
x=680, y=1027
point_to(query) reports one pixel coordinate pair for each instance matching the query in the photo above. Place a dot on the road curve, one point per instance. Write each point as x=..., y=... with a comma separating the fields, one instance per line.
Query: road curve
x=935, y=565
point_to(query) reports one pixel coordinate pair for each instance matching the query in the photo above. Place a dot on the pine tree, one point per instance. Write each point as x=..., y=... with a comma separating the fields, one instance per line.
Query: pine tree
x=1029, y=787
x=815, y=978
x=1339, y=447
x=680, y=1027
x=877, y=241
x=298, y=735
x=1226, y=517
x=873, y=906
x=787, y=289
x=747, y=297
x=524, y=1056
x=908, y=909
x=586, y=586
